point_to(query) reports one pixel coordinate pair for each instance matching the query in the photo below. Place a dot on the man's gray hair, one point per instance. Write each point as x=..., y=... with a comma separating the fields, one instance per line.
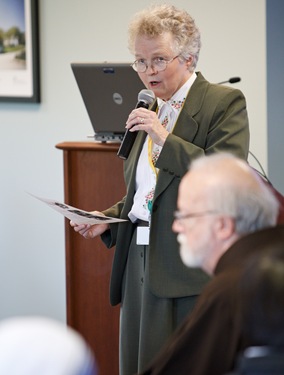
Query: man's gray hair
x=239, y=192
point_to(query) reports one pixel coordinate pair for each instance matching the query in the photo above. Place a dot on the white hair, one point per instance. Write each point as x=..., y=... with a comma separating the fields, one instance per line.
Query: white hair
x=238, y=191
x=159, y=19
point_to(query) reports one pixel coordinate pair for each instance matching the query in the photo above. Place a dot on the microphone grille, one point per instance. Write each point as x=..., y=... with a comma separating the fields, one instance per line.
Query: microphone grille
x=146, y=96
x=234, y=80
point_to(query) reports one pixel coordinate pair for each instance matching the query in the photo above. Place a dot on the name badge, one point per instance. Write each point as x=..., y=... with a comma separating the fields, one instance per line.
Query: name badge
x=143, y=235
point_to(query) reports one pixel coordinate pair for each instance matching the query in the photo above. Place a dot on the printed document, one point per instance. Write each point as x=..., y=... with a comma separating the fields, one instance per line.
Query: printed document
x=77, y=215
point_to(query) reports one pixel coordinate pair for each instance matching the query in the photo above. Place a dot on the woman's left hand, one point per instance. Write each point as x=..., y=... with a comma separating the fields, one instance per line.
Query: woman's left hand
x=143, y=119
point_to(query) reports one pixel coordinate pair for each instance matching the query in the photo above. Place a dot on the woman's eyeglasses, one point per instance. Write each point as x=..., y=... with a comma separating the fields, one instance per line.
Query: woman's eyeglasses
x=158, y=64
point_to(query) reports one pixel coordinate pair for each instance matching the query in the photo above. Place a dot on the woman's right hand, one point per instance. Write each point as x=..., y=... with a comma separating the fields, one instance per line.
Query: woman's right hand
x=90, y=231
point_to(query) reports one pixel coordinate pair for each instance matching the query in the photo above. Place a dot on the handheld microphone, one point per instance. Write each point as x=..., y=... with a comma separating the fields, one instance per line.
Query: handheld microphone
x=145, y=99
x=230, y=80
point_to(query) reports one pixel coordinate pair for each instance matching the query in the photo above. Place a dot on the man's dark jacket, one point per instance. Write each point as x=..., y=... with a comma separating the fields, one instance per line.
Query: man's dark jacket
x=209, y=340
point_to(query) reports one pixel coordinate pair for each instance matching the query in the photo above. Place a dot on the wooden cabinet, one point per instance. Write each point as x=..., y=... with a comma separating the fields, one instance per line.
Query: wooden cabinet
x=93, y=180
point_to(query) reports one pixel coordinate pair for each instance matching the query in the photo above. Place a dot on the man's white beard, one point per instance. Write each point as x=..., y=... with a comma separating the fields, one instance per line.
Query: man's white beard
x=189, y=257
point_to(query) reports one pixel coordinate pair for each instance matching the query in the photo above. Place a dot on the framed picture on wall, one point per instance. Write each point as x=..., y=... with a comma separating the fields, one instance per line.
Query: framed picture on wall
x=19, y=51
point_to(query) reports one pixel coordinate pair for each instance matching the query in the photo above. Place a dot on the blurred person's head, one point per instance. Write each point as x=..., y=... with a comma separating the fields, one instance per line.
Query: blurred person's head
x=41, y=346
x=220, y=199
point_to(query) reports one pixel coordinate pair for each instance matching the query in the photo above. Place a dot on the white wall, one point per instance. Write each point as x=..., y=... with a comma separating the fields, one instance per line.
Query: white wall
x=32, y=264
x=275, y=83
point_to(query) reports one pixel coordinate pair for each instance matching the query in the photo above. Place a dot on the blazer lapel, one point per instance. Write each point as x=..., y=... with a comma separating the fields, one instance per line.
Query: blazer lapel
x=186, y=128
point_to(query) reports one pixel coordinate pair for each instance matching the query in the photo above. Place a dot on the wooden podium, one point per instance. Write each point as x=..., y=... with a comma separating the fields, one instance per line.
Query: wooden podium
x=93, y=180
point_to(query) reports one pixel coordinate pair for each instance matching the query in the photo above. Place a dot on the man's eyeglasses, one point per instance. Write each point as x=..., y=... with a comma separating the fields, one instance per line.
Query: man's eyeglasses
x=158, y=64
x=179, y=216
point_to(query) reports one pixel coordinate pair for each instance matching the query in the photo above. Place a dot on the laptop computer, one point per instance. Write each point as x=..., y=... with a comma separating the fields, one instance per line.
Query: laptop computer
x=109, y=92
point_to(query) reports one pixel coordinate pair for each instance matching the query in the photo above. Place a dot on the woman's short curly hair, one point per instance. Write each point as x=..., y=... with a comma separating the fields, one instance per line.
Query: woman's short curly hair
x=159, y=19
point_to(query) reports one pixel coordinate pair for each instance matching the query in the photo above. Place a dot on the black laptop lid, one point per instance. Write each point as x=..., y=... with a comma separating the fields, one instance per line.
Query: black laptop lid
x=109, y=91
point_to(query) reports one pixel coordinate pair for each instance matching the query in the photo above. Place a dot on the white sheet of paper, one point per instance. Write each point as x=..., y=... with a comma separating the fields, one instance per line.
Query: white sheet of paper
x=77, y=215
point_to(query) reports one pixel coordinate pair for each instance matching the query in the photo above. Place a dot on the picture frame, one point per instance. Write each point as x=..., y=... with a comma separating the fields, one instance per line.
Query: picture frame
x=19, y=51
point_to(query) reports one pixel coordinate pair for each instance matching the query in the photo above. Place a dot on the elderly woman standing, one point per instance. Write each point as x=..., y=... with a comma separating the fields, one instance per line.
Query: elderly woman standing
x=189, y=118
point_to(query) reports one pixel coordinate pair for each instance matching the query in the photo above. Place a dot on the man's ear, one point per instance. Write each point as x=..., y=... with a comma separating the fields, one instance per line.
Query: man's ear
x=225, y=227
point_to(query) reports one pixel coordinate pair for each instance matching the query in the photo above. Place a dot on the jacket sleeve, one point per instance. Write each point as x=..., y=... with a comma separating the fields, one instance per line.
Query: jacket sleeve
x=109, y=236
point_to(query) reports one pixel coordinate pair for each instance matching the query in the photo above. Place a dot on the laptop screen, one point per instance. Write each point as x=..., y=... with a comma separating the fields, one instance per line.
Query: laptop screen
x=109, y=92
